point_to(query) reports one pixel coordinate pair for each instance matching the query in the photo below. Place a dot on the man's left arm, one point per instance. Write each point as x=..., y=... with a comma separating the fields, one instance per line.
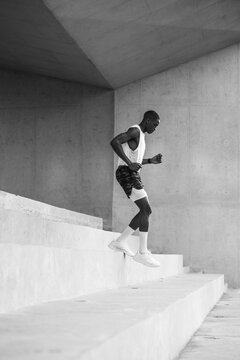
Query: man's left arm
x=157, y=159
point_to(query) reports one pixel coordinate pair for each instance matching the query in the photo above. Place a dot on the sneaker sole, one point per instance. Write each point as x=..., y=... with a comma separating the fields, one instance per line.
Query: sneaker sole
x=115, y=248
x=149, y=265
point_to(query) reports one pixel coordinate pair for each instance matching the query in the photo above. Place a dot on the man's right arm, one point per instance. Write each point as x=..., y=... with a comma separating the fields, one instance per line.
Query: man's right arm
x=122, y=138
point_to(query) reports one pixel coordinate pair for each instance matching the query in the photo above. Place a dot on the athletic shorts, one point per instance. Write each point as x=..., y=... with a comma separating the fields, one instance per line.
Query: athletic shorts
x=131, y=182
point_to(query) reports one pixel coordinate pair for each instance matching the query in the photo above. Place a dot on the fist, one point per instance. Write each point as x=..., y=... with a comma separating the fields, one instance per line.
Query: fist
x=157, y=159
x=135, y=166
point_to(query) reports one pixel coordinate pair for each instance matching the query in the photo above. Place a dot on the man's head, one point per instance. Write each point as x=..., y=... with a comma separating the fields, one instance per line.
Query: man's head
x=150, y=120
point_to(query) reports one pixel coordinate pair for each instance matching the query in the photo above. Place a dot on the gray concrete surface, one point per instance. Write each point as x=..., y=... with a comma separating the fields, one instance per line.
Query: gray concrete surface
x=149, y=321
x=111, y=43
x=45, y=211
x=219, y=336
x=195, y=191
x=32, y=40
x=42, y=259
x=129, y=40
x=54, y=143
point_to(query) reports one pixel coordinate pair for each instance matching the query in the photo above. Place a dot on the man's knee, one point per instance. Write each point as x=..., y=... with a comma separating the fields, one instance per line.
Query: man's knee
x=144, y=206
x=147, y=210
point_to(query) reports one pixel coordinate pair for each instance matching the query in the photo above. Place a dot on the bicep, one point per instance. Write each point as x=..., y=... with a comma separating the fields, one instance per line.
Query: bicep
x=124, y=137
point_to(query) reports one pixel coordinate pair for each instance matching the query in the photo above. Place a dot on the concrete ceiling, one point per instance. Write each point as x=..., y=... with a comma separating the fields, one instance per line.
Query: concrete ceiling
x=111, y=43
x=32, y=40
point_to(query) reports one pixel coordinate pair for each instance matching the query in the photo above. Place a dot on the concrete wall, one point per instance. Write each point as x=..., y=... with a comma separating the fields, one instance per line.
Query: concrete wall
x=195, y=192
x=54, y=143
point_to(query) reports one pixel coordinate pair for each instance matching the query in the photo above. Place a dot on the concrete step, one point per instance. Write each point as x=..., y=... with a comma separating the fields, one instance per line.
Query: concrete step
x=186, y=270
x=28, y=206
x=30, y=274
x=151, y=321
x=218, y=337
x=42, y=259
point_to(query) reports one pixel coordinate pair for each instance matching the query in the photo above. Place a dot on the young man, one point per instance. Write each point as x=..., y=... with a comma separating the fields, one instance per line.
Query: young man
x=130, y=147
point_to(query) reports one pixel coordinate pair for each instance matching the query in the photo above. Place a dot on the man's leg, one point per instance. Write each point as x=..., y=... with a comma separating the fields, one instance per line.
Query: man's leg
x=125, y=234
x=143, y=255
x=143, y=220
x=140, y=220
x=133, y=226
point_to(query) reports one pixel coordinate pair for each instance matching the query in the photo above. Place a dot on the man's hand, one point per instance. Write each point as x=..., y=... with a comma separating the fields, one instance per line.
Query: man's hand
x=157, y=159
x=134, y=166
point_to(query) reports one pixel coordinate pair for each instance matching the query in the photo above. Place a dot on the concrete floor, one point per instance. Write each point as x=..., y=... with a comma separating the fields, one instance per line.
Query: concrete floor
x=219, y=336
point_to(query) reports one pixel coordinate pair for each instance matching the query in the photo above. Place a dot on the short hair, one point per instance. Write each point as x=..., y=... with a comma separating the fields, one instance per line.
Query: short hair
x=152, y=115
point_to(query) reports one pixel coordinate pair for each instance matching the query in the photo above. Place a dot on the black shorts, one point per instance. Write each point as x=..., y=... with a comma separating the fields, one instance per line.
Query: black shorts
x=128, y=179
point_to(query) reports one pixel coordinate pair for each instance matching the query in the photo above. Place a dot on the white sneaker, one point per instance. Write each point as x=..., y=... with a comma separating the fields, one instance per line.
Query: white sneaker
x=146, y=259
x=117, y=246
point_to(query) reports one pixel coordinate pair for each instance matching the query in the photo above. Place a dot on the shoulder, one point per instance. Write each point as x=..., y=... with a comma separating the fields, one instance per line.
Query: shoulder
x=133, y=131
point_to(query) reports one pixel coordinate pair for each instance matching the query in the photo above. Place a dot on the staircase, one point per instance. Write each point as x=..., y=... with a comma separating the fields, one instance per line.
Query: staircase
x=90, y=302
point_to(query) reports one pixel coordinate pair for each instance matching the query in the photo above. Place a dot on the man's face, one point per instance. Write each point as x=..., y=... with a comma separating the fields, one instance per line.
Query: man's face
x=151, y=125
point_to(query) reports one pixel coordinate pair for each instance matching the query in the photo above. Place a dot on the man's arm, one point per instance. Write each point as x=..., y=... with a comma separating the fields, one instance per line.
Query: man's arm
x=157, y=159
x=122, y=138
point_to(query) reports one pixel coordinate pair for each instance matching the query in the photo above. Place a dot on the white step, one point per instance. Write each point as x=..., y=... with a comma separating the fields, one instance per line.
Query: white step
x=30, y=274
x=43, y=260
x=152, y=321
x=28, y=206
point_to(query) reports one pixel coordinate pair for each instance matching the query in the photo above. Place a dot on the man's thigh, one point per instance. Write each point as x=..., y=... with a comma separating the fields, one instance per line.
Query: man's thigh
x=138, y=194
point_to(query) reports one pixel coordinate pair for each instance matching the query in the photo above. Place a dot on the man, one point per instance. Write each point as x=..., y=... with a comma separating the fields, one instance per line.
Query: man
x=130, y=147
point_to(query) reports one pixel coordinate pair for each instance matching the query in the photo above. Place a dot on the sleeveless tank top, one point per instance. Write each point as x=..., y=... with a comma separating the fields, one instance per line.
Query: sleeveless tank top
x=137, y=154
